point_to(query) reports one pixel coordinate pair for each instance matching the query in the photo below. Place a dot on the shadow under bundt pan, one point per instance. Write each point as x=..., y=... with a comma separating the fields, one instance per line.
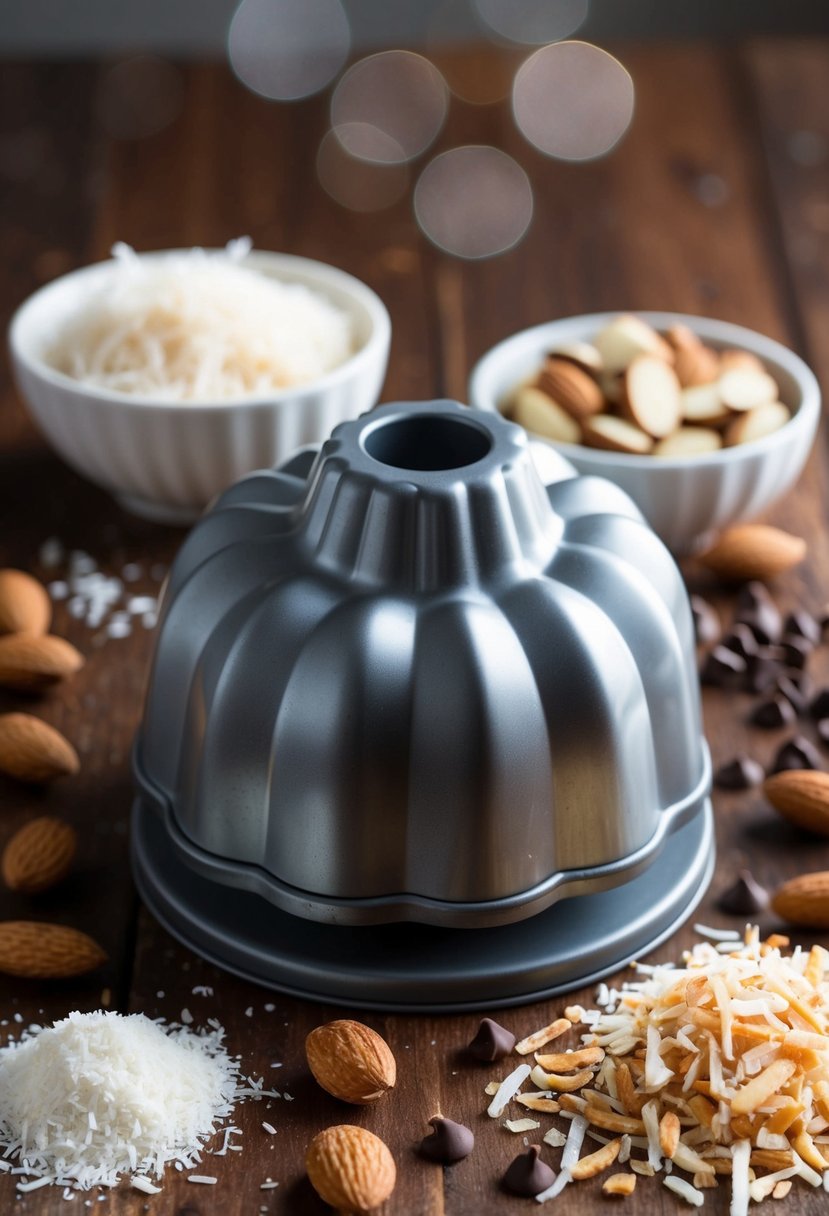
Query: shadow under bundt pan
x=404, y=680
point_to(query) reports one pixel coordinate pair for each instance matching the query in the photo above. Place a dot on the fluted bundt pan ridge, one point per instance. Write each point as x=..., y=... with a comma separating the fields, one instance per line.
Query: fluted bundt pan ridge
x=401, y=679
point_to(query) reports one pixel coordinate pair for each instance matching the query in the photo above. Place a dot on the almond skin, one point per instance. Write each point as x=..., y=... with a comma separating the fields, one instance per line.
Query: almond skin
x=30, y=664
x=46, y=952
x=802, y=797
x=572, y=388
x=350, y=1168
x=804, y=900
x=351, y=1061
x=752, y=551
x=33, y=751
x=25, y=606
x=39, y=855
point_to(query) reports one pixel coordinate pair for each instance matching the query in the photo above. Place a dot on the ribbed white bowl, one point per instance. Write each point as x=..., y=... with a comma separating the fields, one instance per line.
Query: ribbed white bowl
x=685, y=499
x=166, y=460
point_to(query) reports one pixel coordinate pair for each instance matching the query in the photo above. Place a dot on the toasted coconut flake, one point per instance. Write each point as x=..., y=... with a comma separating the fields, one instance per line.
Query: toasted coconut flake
x=684, y=1189
x=541, y=1037
x=669, y=1129
x=555, y=1138
x=507, y=1090
x=570, y=1061
x=594, y=1163
x=619, y=1184
x=781, y=1190
x=538, y=1102
x=558, y=1082
x=521, y=1125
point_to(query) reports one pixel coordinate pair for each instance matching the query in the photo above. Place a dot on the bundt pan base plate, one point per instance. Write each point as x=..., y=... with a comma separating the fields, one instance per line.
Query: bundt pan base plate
x=421, y=968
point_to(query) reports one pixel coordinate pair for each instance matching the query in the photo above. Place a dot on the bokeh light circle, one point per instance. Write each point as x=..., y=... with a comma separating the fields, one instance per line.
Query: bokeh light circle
x=473, y=202
x=288, y=49
x=533, y=21
x=573, y=100
x=397, y=94
x=359, y=185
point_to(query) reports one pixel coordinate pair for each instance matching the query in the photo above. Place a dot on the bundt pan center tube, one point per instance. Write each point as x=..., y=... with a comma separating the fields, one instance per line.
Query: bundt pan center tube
x=404, y=679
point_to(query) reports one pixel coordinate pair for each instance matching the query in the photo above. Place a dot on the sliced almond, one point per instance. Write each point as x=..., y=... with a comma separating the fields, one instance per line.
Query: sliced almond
x=583, y=354
x=616, y=435
x=755, y=424
x=537, y=412
x=611, y=386
x=689, y=441
x=652, y=396
x=571, y=387
x=741, y=389
x=732, y=359
x=702, y=404
x=694, y=362
x=626, y=337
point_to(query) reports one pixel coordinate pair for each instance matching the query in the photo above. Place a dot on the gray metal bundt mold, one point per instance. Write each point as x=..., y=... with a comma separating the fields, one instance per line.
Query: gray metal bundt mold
x=404, y=680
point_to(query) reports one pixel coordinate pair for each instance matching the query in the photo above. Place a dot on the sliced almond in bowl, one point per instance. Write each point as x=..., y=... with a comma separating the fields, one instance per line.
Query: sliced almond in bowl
x=702, y=403
x=689, y=441
x=743, y=389
x=537, y=412
x=652, y=397
x=754, y=424
x=743, y=359
x=571, y=387
x=616, y=435
x=583, y=354
x=624, y=338
x=694, y=362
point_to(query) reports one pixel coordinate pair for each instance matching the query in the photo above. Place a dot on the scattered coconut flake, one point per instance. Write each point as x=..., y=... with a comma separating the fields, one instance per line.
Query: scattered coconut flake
x=555, y=1138
x=507, y=1090
x=140, y=1183
x=271, y=1130
x=717, y=935
x=521, y=1125
x=684, y=1189
x=204, y=1179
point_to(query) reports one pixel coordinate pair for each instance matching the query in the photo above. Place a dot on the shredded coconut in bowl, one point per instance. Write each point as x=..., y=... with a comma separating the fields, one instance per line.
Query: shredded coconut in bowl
x=199, y=326
x=100, y=1095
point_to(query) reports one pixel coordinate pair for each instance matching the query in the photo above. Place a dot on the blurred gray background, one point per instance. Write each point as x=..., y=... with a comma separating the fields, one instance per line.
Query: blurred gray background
x=198, y=28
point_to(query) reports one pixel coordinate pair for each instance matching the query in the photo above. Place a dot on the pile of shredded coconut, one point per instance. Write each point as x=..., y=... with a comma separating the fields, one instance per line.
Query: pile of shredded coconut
x=100, y=1095
x=199, y=326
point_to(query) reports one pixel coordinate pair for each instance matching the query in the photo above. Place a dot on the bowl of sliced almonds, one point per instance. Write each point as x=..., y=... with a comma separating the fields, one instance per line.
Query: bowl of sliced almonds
x=702, y=422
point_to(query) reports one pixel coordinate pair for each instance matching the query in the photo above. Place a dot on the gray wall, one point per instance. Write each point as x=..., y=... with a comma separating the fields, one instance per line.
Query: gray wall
x=198, y=28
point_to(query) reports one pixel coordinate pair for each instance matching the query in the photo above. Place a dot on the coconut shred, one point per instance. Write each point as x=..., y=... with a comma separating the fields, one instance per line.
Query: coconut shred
x=199, y=326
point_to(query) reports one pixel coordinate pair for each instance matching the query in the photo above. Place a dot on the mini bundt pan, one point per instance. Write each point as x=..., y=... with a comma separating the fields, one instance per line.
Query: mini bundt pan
x=404, y=680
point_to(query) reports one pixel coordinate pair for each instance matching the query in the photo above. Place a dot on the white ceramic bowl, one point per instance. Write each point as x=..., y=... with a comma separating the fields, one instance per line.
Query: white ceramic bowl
x=165, y=460
x=685, y=499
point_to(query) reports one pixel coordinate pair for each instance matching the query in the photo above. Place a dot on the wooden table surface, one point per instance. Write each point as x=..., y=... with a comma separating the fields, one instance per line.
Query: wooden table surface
x=717, y=202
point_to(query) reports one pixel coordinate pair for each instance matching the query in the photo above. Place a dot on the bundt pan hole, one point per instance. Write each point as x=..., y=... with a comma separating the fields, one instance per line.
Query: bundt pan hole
x=427, y=443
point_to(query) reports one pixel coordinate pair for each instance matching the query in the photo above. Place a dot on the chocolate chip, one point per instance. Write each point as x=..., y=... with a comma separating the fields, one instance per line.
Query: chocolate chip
x=795, y=691
x=492, y=1042
x=448, y=1143
x=803, y=624
x=757, y=609
x=819, y=706
x=823, y=731
x=527, y=1175
x=797, y=753
x=762, y=670
x=777, y=711
x=741, y=773
x=796, y=650
x=741, y=640
x=745, y=897
x=706, y=622
x=723, y=668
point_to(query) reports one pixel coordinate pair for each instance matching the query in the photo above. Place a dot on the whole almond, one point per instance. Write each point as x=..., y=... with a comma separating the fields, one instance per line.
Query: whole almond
x=29, y=663
x=33, y=751
x=351, y=1061
x=39, y=855
x=350, y=1168
x=32, y=950
x=752, y=551
x=804, y=900
x=571, y=387
x=802, y=797
x=25, y=606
